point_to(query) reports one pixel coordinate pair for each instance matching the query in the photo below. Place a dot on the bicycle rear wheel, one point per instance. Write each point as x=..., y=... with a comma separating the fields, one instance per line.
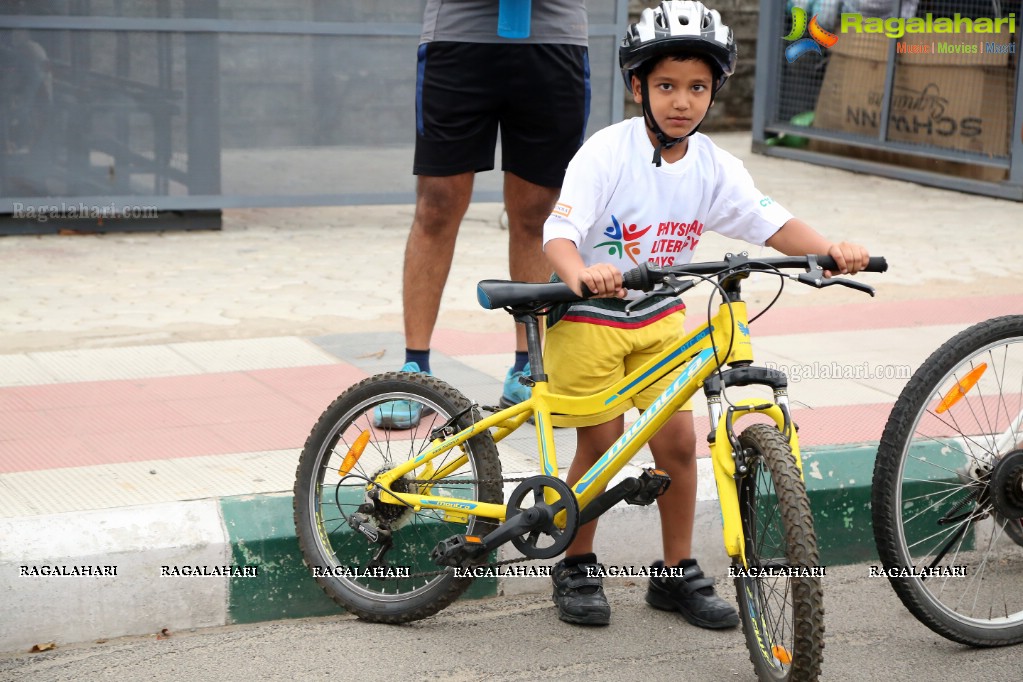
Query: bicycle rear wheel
x=948, y=487
x=341, y=559
x=780, y=600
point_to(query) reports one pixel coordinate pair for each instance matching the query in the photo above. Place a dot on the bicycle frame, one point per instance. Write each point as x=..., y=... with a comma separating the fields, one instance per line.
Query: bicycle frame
x=698, y=354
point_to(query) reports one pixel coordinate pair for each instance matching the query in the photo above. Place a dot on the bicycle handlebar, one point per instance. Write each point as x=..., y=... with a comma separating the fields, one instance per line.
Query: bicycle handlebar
x=502, y=294
x=646, y=277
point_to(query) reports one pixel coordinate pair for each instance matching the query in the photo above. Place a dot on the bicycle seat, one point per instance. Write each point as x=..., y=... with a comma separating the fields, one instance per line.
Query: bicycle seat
x=498, y=293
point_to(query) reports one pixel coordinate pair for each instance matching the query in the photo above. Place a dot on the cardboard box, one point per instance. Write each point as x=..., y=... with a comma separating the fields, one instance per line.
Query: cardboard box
x=952, y=101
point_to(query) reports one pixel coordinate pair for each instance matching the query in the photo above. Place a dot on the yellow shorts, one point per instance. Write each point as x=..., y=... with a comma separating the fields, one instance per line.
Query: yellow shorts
x=583, y=359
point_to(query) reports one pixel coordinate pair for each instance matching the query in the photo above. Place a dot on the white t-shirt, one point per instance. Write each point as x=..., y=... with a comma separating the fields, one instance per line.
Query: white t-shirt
x=620, y=208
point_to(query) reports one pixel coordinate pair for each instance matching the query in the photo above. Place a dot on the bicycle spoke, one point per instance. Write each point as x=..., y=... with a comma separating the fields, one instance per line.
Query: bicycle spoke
x=976, y=379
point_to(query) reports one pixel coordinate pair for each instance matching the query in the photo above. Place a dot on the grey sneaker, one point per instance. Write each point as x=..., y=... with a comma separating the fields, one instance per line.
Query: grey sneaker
x=400, y=414
x=578, y=594
x=514, y=391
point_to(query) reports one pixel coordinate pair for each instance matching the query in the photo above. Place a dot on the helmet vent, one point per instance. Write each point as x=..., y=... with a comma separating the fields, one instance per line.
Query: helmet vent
x=684, y=20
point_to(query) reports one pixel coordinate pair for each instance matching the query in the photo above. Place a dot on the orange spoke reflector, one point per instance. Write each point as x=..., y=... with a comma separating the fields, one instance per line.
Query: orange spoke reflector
x=355, y=453
x=961, y=388
x=782, y=654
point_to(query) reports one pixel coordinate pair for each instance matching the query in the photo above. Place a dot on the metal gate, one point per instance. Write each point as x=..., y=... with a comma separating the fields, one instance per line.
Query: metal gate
x=128, y=107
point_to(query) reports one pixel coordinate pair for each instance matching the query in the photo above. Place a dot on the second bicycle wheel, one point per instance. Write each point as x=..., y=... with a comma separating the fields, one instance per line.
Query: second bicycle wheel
x=780, y=600
x=948, y=487
x=398, y=582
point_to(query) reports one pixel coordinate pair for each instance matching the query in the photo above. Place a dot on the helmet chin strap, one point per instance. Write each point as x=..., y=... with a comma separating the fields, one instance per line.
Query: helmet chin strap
x=663, y=141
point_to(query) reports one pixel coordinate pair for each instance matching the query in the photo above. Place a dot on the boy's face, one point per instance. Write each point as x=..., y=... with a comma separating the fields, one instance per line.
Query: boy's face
x=679, y=94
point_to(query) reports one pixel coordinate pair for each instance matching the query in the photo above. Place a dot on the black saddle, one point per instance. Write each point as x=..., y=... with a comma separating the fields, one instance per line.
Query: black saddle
x=498, y=293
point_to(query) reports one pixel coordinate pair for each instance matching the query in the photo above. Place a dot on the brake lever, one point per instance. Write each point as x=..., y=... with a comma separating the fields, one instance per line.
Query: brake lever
x=673, y=286
x=817, y=280
x=852, y=284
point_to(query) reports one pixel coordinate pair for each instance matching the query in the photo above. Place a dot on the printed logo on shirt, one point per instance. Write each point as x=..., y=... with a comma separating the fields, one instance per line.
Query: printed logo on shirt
x=563, y=210
x=624, y=239
x=766, y=201
x=675, y=238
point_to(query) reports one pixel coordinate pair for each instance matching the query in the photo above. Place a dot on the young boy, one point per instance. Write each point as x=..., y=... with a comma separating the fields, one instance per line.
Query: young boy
x=644, y=190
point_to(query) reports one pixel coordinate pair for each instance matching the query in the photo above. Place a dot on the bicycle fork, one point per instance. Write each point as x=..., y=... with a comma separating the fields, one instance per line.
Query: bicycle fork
x=727, y=454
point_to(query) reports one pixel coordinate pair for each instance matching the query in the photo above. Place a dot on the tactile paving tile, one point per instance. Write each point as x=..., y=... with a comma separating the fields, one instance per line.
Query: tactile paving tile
x=23, y=370
x=106, y=486
x=239, y=355
x=102, y=364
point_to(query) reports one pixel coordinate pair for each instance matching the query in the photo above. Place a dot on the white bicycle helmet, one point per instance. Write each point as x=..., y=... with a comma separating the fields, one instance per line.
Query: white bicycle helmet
x=676, y=27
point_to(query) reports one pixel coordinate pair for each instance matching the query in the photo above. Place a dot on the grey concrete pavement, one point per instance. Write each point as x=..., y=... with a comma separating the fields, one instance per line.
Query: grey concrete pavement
x=178, y=373
x=869, y=636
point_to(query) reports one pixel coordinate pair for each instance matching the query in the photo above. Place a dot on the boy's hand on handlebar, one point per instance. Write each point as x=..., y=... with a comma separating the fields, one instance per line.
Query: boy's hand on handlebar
x=850, y=258
x=601, y=281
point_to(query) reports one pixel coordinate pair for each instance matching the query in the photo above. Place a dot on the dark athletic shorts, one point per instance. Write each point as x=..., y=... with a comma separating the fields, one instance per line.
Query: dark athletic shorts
x=539, y=96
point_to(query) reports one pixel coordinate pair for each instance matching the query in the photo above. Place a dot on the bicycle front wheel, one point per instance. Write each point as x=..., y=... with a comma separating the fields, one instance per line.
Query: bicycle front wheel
x=948, y=487
x=398, y=582
x=779, y=593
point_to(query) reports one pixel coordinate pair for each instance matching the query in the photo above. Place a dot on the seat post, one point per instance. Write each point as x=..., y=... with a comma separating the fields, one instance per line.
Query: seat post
x=533, y=345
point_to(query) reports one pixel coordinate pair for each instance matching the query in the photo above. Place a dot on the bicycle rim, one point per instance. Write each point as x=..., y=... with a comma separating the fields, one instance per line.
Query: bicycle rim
x=782, y=615
x=949, y=488
x=341, y=558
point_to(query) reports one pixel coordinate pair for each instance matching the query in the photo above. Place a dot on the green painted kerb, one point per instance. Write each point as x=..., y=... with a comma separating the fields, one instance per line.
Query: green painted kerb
x=839, y=484
x=262, y=533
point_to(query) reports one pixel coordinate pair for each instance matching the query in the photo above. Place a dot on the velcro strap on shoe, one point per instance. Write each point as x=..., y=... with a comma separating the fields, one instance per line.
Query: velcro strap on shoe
x=579, y=580
x=694, y=580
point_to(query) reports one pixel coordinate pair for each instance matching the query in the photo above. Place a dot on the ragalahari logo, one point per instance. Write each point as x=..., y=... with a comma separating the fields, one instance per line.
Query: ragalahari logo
x=818, y=36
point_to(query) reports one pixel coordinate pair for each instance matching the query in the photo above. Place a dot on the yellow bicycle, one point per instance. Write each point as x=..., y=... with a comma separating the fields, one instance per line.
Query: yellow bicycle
x=391, y=522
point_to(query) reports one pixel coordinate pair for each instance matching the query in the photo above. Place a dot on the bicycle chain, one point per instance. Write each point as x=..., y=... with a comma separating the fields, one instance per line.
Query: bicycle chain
x=468, y=481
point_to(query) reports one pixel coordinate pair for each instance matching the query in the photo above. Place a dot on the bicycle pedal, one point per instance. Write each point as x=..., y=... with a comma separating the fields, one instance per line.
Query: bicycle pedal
x=652, y=484
x=458, y=550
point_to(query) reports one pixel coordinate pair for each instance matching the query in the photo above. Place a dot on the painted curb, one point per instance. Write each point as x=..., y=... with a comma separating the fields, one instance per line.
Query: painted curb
x=254, y=537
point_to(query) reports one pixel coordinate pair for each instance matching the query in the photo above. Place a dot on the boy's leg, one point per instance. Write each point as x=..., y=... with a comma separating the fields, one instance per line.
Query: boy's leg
x=591, y=443
x=691, y=593
x=674, y=449
x=578, y=594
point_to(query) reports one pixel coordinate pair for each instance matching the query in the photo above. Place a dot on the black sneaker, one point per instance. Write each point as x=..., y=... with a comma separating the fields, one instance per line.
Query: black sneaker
x=692, y=595
x=579, y=596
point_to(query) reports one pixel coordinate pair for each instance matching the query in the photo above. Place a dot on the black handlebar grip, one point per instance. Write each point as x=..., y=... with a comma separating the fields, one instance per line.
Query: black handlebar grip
x=637, y=279
x=874, y=264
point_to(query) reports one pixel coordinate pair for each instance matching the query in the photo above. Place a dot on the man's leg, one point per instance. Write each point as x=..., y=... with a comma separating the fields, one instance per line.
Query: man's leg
x=528, y=206
x=441, y=203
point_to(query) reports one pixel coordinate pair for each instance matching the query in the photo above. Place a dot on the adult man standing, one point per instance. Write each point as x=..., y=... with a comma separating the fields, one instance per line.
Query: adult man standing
x=472, y=83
